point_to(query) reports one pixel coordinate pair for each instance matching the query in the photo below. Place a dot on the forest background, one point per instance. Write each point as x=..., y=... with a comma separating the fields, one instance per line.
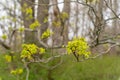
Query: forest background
x=59, y=40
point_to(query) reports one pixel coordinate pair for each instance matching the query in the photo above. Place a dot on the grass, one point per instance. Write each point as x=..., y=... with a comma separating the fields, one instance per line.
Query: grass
x=102, y=68
x=105, y=68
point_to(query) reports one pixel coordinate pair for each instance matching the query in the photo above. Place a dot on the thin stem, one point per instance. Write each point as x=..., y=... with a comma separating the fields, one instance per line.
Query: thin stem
x=77, y=57
x=28, y=72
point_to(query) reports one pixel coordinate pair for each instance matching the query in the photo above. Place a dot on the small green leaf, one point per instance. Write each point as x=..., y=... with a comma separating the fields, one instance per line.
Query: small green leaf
x=35, y=24
x=4, y=36
x=46, y=34
x=21, y=29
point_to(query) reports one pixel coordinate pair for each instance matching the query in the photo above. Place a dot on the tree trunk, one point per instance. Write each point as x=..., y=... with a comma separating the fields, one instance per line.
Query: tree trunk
x=42, y=12
x=56, y=25
x=29, y=36
x=61, y=30
x=66, y=9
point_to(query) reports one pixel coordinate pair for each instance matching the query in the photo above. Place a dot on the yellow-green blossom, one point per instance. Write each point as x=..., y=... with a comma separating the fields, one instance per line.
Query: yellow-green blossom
x=42, y=50
x=35, y=24
x=78, y=46
x=46, y=34
x=8, y=58
x=30, y=50
x=17, y=71
x=20, y=71
x=13, y=72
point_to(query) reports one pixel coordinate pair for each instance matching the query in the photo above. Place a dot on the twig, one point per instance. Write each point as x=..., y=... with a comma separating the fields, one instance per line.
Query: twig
x=100, y=54
x=5, y=45
x=53, y=67
x=45, y=60
x=111, y=10
x=27, y=69
x=104, y=52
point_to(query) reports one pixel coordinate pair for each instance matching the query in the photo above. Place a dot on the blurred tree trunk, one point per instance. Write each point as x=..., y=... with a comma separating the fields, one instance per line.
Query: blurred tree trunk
x=42, y=12
x=56, y=24
x=77, y=19
x=97, y=20
x=29, y=36
x=115, y=26
x=66, y=9
x=60, y=23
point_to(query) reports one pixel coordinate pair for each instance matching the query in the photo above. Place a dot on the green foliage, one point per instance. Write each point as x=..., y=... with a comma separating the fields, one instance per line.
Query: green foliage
x=29, y=50
x=1, y=78
x=21, y=29
x=56, y=23
x=42, y=50
x=5, y=67
x=35, y=24
x=46, y=34
x=28, y=11
x=17, y=71
x=25, y=5
x=78, y=46
x=105, y=68
x=45, y=20
x=4, y=36
x=8, y=58
x=64, y=15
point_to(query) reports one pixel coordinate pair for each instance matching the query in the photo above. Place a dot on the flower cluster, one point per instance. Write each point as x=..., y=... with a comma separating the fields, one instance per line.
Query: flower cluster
x=29, y=10
x=35, y=24
x=31, y=49
x=78, y=46
x=17, y=71
x=46, y=34
x=42, y=50
x=8, y=58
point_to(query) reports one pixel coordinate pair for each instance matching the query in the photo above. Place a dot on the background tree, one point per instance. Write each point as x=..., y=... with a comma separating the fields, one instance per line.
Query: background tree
x=36, y=22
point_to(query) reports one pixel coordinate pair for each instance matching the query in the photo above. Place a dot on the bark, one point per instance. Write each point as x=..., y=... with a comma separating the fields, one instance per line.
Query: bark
x=115, y=26
x=29, y=36
x=97, y=20
x=60, y=32
x=57, y=38
x=43, y=13
x=66, y=9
